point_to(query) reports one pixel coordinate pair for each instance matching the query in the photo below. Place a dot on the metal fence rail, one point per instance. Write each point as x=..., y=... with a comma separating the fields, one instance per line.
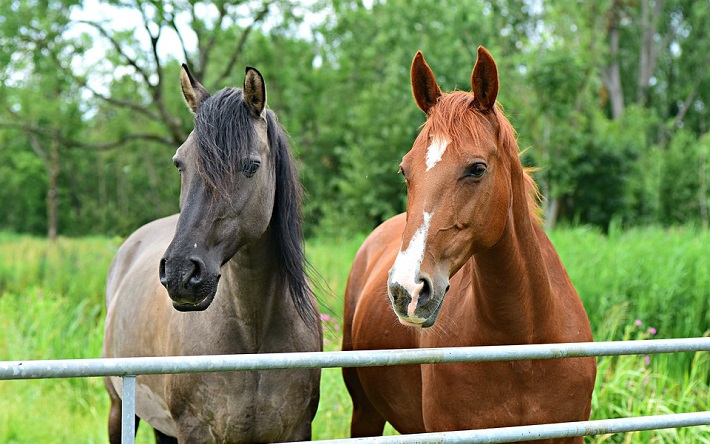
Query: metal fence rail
x=541, y=431
x=128, y=368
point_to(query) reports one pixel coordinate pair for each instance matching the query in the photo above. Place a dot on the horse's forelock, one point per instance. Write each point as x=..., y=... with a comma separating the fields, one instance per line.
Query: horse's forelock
x=224, y=131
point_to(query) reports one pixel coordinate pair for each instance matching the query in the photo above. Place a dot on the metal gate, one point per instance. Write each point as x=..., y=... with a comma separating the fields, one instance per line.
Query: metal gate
x=129, y=368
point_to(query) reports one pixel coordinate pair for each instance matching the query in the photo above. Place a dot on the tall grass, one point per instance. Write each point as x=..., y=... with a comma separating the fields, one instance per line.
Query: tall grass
x=51, y=307
x=636, y=284
x=658, y=277
x=663, y=275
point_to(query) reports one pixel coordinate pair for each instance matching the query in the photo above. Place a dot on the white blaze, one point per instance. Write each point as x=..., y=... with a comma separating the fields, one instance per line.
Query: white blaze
x=406, y=266
x=435, y=151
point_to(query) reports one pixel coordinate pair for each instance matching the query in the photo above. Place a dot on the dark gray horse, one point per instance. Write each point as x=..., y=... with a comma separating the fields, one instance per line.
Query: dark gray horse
x=225, y=276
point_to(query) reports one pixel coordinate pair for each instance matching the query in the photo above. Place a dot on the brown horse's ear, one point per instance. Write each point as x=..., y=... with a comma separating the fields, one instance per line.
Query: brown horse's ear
x=255, y=90
x=484, y=81
x=192, y=90
x=426, y=91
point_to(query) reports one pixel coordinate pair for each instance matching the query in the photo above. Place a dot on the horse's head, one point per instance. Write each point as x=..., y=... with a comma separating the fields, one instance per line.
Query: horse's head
x=227, y=187
x=458, y=185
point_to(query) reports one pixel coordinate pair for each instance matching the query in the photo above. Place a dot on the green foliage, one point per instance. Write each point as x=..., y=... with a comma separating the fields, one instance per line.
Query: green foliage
x=23, y=185
x=340, y=84
x=368, y=119
x=610, y=161
x=684, y=164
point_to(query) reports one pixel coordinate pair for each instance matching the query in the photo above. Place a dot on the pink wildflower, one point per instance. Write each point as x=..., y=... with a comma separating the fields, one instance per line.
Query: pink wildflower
x=638, y=322
x=652, y=331
x=324, y=317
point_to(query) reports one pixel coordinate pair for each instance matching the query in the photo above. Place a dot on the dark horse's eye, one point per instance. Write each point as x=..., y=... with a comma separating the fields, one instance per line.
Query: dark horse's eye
x=177, y=164
x=250, y=166
x=476, y=170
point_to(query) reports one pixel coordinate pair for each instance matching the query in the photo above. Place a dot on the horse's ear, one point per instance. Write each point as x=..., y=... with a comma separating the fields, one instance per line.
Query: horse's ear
x=255, y=90
x=192, y=90
x=484, y=81
x=426, y=91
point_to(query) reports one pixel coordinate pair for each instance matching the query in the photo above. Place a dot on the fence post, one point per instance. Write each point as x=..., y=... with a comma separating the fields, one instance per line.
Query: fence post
x=128, y=410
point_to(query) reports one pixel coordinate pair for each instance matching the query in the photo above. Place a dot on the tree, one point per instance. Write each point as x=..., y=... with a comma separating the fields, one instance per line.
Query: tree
x=38, y=101
x=140, y=106
x=367, y=119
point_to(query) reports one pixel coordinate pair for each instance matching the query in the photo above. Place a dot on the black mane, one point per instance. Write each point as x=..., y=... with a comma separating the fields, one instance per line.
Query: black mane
x=224, y=131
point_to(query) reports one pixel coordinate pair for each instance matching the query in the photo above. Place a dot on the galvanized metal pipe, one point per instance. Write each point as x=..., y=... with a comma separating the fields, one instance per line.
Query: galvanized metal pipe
x=541, y=431
x=128, y=410
x=370, y=358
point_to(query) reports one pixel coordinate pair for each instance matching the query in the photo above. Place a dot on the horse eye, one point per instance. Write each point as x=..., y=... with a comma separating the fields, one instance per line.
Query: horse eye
x=476, y=170
x=177, y=164
x=250, y=166
x=401, y=171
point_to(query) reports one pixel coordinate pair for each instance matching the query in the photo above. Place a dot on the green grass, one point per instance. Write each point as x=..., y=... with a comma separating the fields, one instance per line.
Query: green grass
x=51, y=307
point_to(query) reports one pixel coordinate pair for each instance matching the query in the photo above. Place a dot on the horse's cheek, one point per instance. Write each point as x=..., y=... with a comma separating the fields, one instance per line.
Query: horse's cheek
x=253, y=224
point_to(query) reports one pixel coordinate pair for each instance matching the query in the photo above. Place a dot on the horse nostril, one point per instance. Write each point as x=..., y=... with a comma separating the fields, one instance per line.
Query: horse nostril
x=195, y=277
x=163, y=278
x=397, y=293
x=425, y=292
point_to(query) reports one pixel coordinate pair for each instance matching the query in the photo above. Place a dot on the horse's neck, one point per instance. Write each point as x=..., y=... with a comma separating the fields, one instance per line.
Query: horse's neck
x=251, y=289
x=512, y=285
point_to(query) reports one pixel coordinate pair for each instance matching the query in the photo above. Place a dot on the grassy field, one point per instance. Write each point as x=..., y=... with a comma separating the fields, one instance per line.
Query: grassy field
x=636, y=284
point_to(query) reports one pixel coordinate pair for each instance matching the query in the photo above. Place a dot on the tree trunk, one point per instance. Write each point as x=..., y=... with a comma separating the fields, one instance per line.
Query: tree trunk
x=550, y=204
x=53, y=169
x=611, y=75
x=51, y=166
x=649, y=51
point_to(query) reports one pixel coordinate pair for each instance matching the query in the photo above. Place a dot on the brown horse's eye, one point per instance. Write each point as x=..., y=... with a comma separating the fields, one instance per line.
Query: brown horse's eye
x=401, y=171
x=476, y=170
x=250, y=166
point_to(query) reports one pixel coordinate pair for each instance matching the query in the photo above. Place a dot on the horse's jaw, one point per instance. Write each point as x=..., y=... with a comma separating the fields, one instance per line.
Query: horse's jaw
x=199, y=305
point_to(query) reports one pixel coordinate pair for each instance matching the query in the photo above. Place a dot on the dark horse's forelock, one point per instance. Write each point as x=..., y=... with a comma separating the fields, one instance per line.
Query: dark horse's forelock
x=224, y=128
x=224, y=131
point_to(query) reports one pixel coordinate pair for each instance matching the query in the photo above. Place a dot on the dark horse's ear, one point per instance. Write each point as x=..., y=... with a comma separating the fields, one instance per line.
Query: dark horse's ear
x=484, y=81
x=192, y=90
x=426, y=91
x=255, y=90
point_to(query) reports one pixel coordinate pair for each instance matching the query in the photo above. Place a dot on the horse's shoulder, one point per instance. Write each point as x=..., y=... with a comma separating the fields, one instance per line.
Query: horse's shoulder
x=373, y=260
x=386, y=235
x=141, y=250
x=380, y=248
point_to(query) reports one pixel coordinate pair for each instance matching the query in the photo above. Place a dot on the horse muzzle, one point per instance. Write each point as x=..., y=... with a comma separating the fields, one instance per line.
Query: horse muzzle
x=190, y=284
x=417, y=304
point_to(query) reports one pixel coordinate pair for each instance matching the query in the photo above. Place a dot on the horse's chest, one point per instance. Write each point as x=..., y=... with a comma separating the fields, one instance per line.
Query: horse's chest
x=219, y=407
x=260, y=406
x=496, y=394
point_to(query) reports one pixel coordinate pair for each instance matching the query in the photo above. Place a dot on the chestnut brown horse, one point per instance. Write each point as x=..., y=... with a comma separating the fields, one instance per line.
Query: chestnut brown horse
x=225, y=276
x=470, y=259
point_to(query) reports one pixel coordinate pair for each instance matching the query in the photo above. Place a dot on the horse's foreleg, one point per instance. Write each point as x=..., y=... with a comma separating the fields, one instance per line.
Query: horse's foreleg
x=366, y=420
x=162, y=438
x=114, y=414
